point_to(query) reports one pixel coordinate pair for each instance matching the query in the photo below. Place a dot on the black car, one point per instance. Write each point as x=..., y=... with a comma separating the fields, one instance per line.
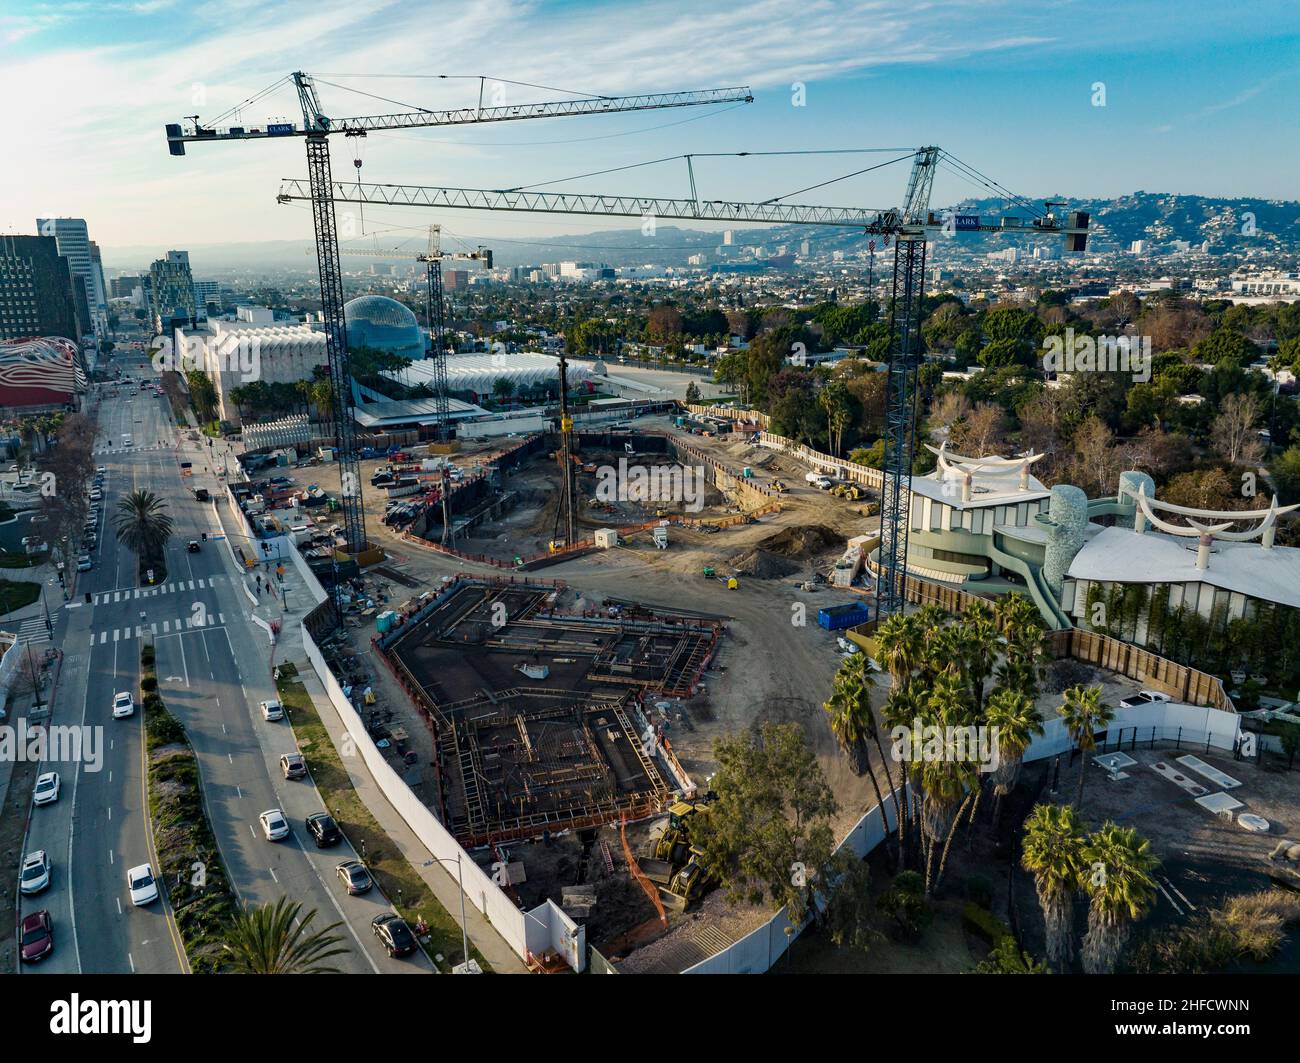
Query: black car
x=323, y=830
x=395, y=935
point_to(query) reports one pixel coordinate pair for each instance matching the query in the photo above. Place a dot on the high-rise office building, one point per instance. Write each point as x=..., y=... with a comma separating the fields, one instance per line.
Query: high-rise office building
x=38, y=294
x=206, y=292
x=74, y=244
x=173, y=303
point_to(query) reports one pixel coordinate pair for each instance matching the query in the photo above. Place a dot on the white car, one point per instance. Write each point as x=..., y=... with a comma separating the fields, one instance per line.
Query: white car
x=35, y=874
x=142, y=885
x=274, y=825
x=47, y=788
x=272, y=710
x=1144, y=697
x=123, y=705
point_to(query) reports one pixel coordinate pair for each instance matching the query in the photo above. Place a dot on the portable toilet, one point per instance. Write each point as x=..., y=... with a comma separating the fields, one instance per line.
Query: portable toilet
x=748, y=473
x=384, y=621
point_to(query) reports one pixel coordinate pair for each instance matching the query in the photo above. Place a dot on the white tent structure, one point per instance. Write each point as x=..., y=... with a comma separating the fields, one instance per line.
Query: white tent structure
x=477, y=373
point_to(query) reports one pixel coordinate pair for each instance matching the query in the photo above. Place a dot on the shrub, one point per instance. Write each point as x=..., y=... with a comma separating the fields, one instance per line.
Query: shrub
x=905, y=904
x=984, y=924
x=149, y=682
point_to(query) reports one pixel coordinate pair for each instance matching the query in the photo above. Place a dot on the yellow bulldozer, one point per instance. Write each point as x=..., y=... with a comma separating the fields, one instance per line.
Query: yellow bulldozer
x=674, y=844
x=850, y=491
x=693, y=881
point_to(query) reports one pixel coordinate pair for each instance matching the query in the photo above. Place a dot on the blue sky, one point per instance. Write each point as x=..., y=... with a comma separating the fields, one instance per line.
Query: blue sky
x=1199, y=98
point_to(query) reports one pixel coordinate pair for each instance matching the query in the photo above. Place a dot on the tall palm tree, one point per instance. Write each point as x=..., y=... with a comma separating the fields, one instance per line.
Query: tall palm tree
x=901, y=707
x=142, y=523
x=1015, y=721
x=982, y=645
x=1084, y=712
x=853, y=722
x=1121, y=889
x=947, y=782
x=1053, y=854
x=901, y=646
x=270, y=939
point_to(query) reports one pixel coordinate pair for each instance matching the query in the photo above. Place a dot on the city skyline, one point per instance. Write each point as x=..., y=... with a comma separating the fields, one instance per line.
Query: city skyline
x=825, y=76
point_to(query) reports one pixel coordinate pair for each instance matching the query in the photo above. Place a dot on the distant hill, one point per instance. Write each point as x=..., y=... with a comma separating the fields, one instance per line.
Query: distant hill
x=1155, y=216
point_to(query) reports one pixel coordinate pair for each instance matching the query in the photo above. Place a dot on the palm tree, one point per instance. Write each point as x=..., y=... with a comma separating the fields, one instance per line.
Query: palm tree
x=902, y=706
x=271, y=939
x=947, y=781
x=1122, y=889
x=852, y=721
x=901, y=646
x=1084, y=713
x=1053, y=854
x=981, y=642
x=142, y=524
x=1015, y=721
x=849, y=709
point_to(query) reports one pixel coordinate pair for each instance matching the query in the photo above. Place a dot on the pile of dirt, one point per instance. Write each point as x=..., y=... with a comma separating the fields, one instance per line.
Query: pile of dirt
x=803, y=542
x=763, y=564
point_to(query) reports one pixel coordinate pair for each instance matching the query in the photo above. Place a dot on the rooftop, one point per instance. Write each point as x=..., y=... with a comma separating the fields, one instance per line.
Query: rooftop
x=1118, y=554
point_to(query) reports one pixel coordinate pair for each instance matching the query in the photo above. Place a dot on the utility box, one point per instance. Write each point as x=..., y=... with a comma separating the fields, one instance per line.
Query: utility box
x=838, y=617
x=660, y=536
x=606, y=538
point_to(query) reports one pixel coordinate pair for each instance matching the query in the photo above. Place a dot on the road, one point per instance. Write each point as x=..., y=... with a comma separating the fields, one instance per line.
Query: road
x=214, y=669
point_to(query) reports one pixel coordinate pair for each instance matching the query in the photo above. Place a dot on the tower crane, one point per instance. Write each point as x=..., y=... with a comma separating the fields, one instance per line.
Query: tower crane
x=911, y=226
x=317, y=127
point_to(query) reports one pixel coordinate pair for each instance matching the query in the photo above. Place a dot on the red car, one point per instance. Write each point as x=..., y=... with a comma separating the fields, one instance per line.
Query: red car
x=36, y=938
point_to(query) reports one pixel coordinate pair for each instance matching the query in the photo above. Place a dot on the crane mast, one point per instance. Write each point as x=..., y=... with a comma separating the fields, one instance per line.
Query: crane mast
x=316, y=129
x=911, y=226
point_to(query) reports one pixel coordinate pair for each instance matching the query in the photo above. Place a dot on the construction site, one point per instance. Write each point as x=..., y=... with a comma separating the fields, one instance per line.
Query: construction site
x=537, y=714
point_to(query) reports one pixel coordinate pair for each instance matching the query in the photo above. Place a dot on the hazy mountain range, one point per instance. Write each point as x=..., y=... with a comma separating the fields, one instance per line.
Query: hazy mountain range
x=1158, y=217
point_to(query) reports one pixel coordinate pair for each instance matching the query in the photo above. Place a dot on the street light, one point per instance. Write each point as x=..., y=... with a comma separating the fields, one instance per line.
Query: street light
x=464, y=935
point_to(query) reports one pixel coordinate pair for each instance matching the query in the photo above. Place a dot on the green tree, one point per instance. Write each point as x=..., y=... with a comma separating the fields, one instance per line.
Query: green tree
x=693, y=393
x=1084, y=712
x=1121, y=888
x=142, y=524
x=773, y=812
x=272, y=939
x=1053, y=853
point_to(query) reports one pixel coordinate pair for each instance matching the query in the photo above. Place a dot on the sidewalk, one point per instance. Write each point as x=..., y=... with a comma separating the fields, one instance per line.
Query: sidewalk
x=441, y=880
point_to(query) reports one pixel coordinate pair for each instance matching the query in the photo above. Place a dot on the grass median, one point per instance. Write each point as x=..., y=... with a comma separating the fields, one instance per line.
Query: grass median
x=400, y=882
x=189, y=862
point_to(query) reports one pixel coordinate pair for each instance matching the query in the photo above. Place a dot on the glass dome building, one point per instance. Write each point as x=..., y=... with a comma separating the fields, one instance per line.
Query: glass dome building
x=385, y=324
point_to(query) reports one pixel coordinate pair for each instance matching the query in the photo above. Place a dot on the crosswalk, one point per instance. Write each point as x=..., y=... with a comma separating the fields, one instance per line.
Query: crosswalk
x=32, y=629
x=161, y=627
x=100, y=451
x=174, y=587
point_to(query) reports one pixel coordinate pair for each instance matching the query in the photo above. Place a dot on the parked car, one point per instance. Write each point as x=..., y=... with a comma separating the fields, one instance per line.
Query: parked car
x=141, y=884
x=47, y=788
x=1143, y=697
x=123, y=705
x=272, y=710
x=36, y=936
x=35, y=874
x=274, y=825
x=294, y=765
x=84, y=564
x=394, y=934
x=192, y=546
x=323, y=830
x=354, y=876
